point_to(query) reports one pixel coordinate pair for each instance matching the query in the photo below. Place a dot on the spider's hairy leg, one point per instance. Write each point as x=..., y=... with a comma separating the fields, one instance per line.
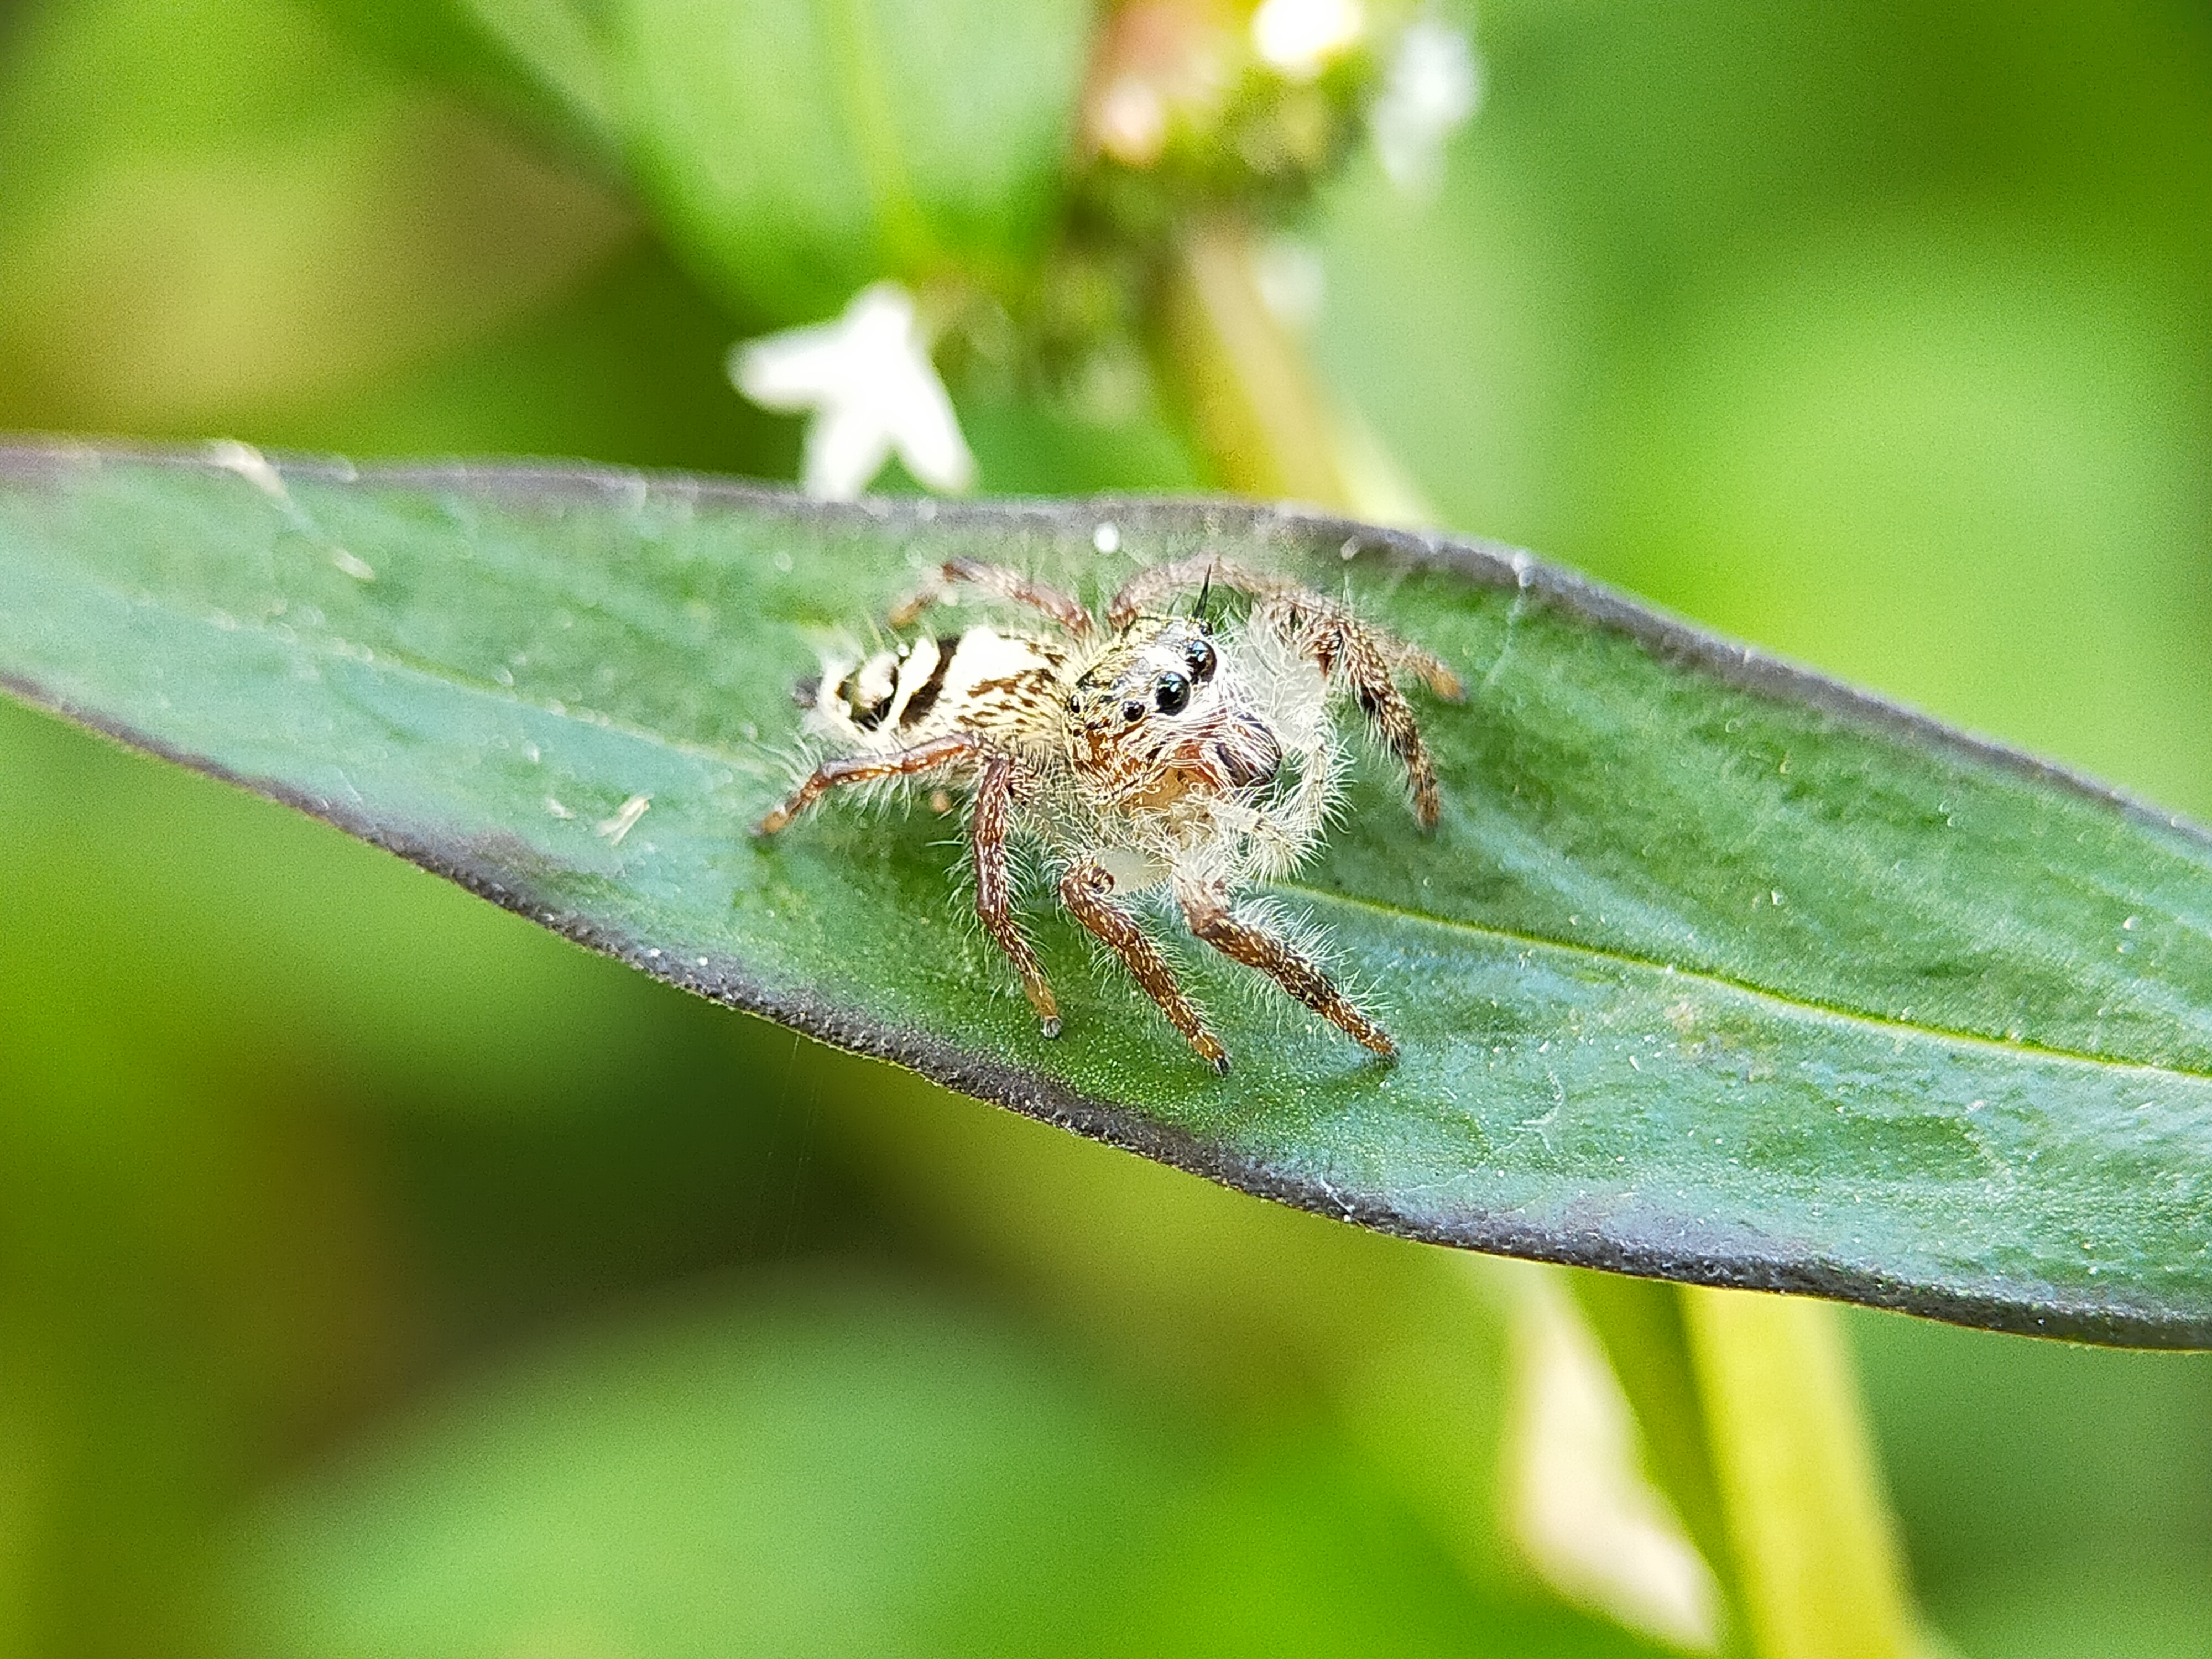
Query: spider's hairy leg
x=1407, y=658
x=1345, y=647
x=1145, y=590
x=1002, y=582
x=954, y=749
x=1206, y=908
x=1084, y=890
x=1149, y=586
x=994, y=902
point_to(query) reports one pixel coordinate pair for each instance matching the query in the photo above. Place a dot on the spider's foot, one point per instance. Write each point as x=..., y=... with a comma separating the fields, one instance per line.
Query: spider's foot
x=1211, y=1051
x=1365, y=1032
x=1042, y=1000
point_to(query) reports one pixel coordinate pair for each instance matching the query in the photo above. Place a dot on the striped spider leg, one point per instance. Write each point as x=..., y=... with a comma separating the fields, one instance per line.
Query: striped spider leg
x=996, y=775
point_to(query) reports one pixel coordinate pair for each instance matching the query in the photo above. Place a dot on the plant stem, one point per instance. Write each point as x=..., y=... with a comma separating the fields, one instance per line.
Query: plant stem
x=1641, y=1325
x=1258, y=407
x=1816, y=1557
x=1753, y=1428
x=1750, y=1417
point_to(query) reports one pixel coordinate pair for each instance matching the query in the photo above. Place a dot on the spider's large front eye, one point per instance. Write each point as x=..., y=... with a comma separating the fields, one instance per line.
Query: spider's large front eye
x=1172, y=696
x=1200, y=655
x=1132, y=711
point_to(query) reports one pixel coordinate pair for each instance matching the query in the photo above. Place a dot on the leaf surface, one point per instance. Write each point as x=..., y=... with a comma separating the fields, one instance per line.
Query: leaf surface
x=1714, y=971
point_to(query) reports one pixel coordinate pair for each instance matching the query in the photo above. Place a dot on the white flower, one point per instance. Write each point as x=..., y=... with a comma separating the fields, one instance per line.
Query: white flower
x=1297, y=38
x=873, y=391
x=1293, y=283
x=1130, y=121
x=1432, y=91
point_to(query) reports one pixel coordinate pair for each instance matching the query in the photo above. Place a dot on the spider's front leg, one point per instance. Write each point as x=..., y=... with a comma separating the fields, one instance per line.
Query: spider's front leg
x=1086, y=891
x=1207, y=908
x=996, y=784
x=1369, y=660
x=1001, y=582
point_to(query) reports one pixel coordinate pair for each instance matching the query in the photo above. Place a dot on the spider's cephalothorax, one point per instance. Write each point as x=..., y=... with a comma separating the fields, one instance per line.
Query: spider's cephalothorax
x=1144, y=750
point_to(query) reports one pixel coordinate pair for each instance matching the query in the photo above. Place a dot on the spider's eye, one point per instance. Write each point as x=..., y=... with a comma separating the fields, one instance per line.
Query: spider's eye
x=1172, y=695
x=1200, y=655
x=1132, y=711
x=1075, y=705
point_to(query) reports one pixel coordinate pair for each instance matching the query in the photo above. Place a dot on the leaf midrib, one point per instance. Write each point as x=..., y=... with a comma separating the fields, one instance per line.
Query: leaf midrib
x=1885, y=1022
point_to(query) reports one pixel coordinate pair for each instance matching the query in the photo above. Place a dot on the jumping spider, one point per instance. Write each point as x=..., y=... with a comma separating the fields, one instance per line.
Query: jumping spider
x=1146, y=749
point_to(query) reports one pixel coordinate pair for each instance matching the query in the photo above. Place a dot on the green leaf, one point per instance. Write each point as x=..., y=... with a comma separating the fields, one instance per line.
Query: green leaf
x=546, y=62
x=214, y=210
x=1714, y=971
x=798, y=150
x=828, y=1469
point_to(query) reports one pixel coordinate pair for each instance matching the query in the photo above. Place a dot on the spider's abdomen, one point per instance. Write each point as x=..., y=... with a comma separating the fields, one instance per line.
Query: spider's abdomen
x=1003, y=685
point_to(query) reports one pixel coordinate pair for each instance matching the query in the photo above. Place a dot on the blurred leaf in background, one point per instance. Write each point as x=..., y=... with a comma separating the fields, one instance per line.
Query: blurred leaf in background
x=831, y=1468
x=798, y=152
x=217, y=209
x=1881, y=338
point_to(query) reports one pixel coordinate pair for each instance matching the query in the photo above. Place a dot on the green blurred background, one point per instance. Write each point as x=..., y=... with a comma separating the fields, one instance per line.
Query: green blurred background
x=378, y=1274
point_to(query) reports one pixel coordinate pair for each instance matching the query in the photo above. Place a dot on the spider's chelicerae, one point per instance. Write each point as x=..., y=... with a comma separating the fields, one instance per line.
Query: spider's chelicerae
x=1147, y=750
